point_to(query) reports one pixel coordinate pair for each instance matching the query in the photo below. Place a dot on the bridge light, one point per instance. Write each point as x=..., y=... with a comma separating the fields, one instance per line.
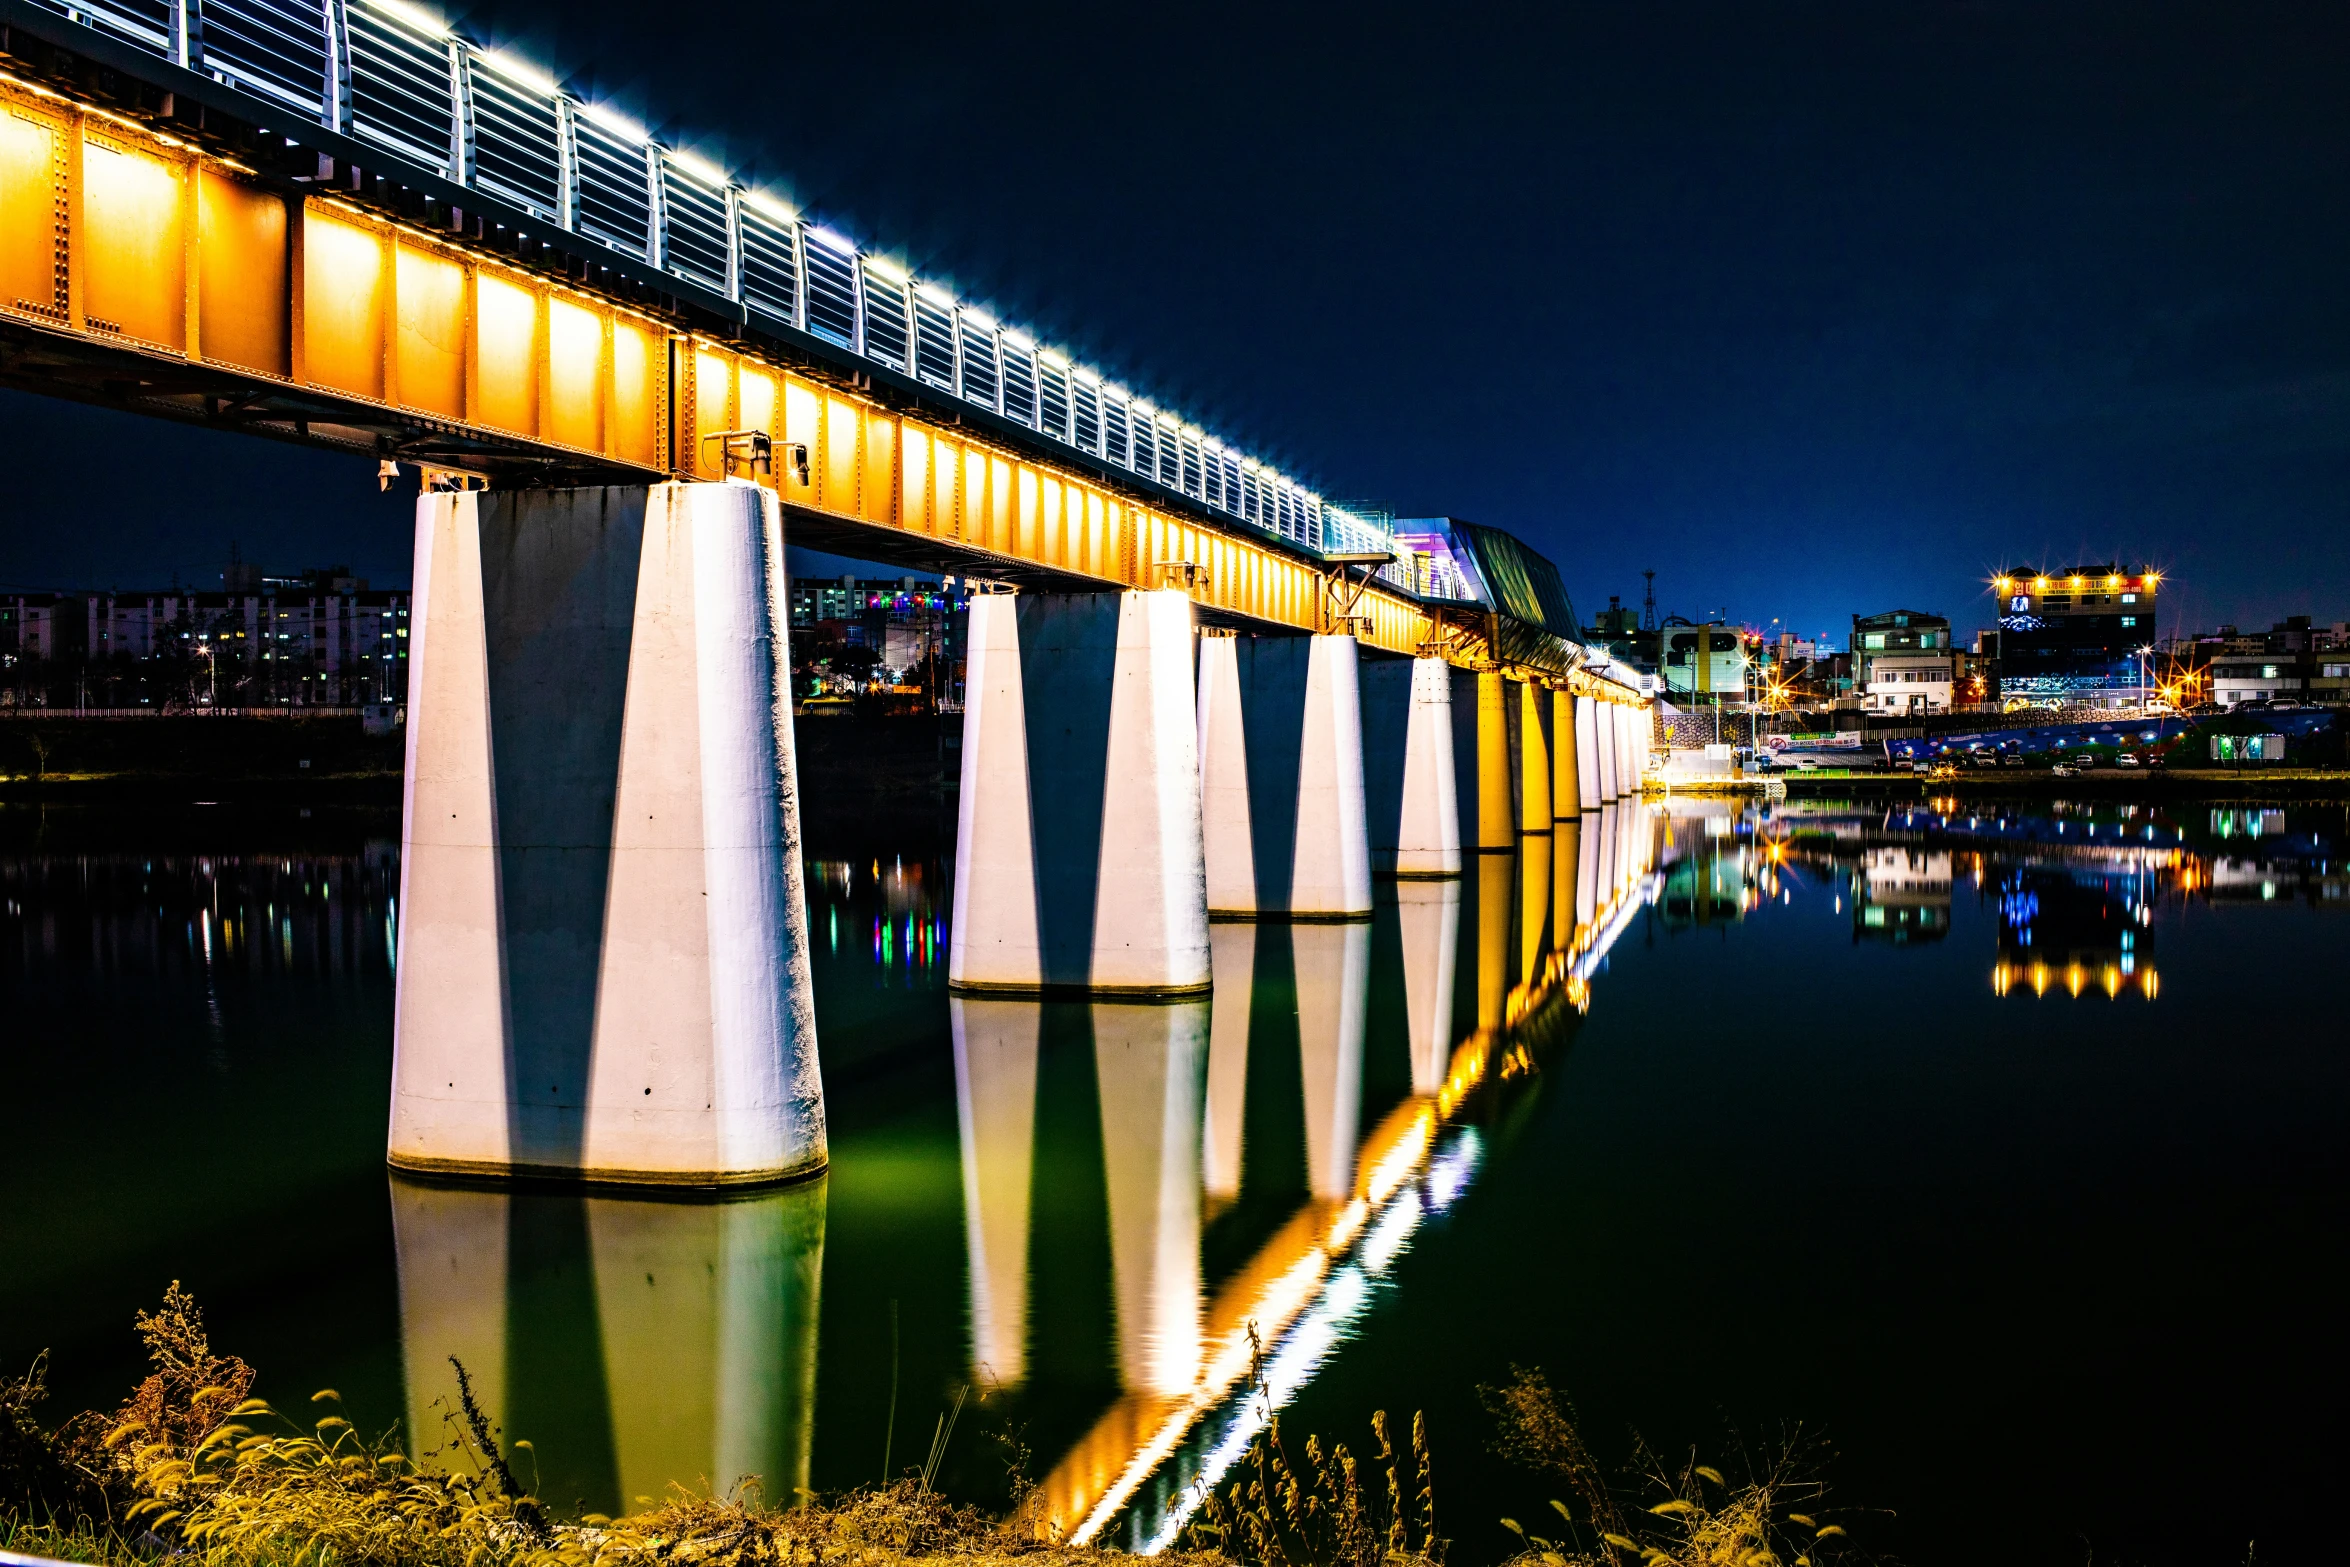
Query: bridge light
x=937, y=296
x=771, y=206
x=416, y=17
x=887, y=270
x=978, y=320
x=831, y=241
x=517, y=72
x=699, y=168
x=1018, y=341
x=614, y=121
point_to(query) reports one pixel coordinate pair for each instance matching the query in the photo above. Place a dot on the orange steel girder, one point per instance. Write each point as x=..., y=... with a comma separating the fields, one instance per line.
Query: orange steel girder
x=200, y=290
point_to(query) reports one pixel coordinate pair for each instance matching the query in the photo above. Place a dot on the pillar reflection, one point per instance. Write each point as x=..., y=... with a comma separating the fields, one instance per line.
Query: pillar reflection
x=1533, y=904
x=1495, y=876
x=1333, y=989
x=1566, y=882
x=1149, y=1062
x=635, y=1342
x=1428, y=917
x=995, y=1110
x=1234, y=948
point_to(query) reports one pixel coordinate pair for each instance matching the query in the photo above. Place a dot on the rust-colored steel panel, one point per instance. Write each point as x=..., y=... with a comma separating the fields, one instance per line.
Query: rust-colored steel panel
x=134, y=250
x=242, y=271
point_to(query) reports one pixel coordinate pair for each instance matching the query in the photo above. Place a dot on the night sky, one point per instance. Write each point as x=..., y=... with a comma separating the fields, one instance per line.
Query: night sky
x=1816, y=309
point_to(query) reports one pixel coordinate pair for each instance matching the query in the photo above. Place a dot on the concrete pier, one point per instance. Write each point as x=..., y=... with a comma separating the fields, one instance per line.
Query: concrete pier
x=1611, y=735
x=1080, y=779
x=1534, y=811
x=1497, y=816
x=1282, y=801
x=603, y=948
x=1587, y=752
x=1566, y=751
x=1410, y=783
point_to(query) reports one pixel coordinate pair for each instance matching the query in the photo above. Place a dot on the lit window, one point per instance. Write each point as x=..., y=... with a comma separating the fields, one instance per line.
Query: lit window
x=2129, y=620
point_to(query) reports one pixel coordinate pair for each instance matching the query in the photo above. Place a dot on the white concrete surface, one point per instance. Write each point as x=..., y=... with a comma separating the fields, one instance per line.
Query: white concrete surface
x=603, y=939
x=1587, y=752
x=1080, y=861
x=1428, y=825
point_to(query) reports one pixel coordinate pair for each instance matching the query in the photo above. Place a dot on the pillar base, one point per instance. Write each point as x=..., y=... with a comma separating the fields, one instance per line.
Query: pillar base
x=469, y=1172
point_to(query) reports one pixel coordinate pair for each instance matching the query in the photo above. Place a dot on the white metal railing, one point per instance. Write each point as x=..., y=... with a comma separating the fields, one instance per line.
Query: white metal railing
x=393, y=75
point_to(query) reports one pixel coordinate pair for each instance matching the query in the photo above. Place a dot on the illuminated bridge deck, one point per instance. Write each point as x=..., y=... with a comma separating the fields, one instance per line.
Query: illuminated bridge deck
x=343, y=224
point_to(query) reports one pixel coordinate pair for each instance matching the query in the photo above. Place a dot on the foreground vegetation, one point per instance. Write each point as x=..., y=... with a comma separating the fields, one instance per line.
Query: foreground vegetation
x=191, y=1468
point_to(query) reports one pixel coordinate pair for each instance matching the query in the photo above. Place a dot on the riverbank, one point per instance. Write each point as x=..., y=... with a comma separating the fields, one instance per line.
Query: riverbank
x=902, y=771
x=2198, y=783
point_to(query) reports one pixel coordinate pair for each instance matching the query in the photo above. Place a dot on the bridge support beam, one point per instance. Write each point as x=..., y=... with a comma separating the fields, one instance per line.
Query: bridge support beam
x=1078, y=855
x=1610, y=733
x=1566, y=784
x=1283, y=814
x=1587, y=752
x=1410, y=786
x=1533, y=760
x=1640, y=732
x=603, y=947
x=1497, y=824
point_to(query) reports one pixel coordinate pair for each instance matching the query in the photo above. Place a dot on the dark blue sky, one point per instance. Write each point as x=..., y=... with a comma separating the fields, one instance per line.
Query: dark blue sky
x=1815, y=308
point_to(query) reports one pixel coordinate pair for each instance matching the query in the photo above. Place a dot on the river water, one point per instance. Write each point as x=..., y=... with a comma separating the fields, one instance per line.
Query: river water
x=1996, y=1151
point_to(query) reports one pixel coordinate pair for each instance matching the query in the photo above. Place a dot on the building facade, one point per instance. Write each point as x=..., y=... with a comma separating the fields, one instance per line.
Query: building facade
x=2082, y=635
x=322, y=639
x=1902, y=662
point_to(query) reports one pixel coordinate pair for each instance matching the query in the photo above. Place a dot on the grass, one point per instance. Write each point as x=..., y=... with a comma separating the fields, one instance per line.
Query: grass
x=190, y=1469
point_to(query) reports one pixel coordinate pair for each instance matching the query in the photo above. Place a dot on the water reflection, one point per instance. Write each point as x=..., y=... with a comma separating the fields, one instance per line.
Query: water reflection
x=636, y=1343
x=1244, y=1117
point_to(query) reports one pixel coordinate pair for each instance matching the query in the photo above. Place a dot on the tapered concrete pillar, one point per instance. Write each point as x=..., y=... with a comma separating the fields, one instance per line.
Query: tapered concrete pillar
x=604, y=968
x=1640, y=722
x=1497, y=826
x=1281, y=778
x=1587, y=752
x=1566, y=783
x=996, y=1042
x=1148, y=1063
x=1333, y=997
x=1428, y=917
x=1534, y=812
x=1078, y=858
x=699, y=1363
x=1235, y=944
x=1609, y=733
x=1410, y=782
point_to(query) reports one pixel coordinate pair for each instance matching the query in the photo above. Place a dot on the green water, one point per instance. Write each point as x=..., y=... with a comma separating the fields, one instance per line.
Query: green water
x=2002, y=1153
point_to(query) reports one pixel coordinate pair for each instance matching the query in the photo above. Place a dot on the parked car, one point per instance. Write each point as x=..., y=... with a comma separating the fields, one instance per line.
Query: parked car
x=2011, y=759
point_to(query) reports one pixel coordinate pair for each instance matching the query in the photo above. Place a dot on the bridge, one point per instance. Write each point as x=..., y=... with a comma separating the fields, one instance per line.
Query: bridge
x=1197, y=689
